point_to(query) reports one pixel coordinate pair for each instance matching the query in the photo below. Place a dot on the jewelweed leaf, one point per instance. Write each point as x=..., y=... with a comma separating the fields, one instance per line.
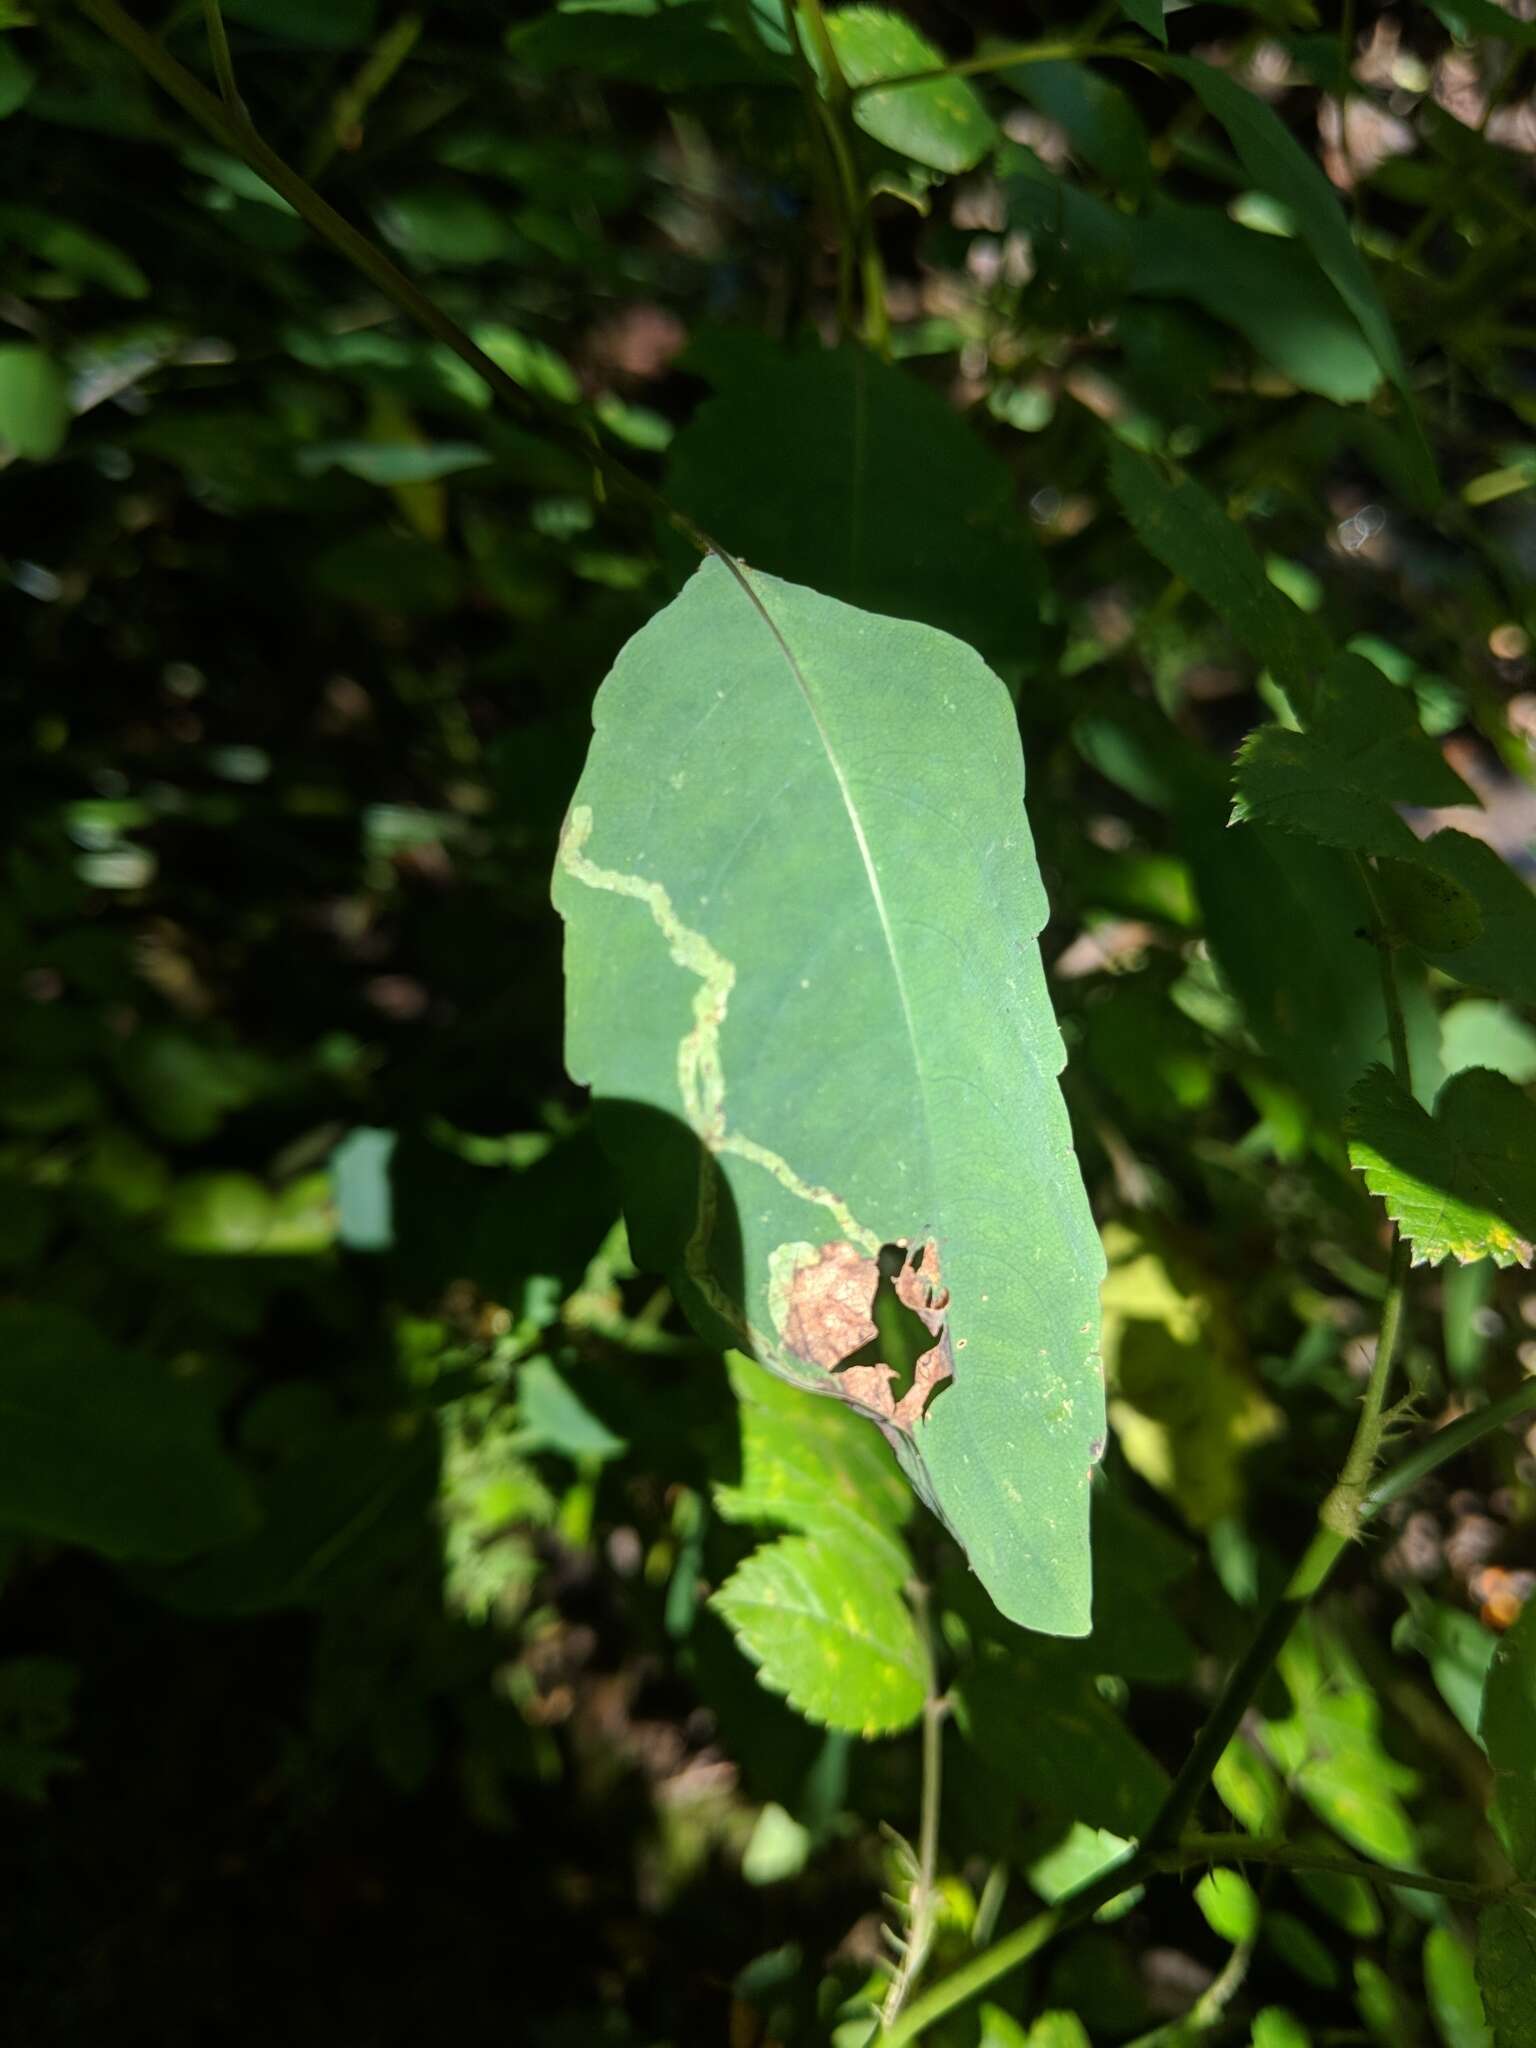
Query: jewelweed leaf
x=802, y=982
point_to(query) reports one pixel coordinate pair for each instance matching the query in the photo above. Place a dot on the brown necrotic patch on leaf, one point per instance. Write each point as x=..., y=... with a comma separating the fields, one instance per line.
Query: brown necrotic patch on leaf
x=828, y=1297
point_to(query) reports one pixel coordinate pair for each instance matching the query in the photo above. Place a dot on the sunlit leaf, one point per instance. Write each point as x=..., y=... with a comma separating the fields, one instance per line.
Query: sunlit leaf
x=791, y=812
x=941, y=123
x=1363, y=753
x=1461, y=1183
x=1450, y=1979
x=34, y=401
x=830, y=1632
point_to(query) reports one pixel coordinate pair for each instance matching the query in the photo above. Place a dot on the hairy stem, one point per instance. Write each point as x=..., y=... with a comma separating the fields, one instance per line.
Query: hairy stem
x=1339, y=1520
x=924, y=1889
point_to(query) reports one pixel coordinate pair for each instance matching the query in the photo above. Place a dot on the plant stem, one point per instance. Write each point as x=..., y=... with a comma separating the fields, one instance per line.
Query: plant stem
x=924, y=1889
x=229, y=123
x=1446, y=1443
x=1005, y=60
x=1281, y=1855
x=1339, y=1520
x=860, y=247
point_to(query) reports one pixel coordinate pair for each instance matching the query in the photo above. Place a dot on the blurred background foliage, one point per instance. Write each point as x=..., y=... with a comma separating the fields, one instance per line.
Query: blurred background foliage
x=362, y=1503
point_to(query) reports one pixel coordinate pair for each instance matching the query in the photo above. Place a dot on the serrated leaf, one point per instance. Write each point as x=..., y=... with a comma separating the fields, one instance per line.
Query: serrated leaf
x=1363, y=753
x=799, y=893
x=1502, y=957
x=1277, y=164
x=1461, y=1183
x=833, y=469
x=941, y=123
x=1178, y=521
x=815, y=1467
x=106, y=1447
x=830, y=1632
x=1506, y=1973
x=1509, y=1735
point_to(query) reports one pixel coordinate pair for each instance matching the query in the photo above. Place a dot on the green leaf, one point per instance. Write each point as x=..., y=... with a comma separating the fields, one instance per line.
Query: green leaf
x=941, y=123
x=1268, y=290
x=317, y=24
x=1276, y=163
x=82, y=256
x=1479, y=1033
x=1470, y=21
x=557, y=1419
x=1102, y=125
x=1147, y=14
x=1509, y=1735
x=814, y=1467
x=351, y=1501
x=1450, y=1979
x=1458, y=1649
x=34, y=401
x=1274, y=2027
x=1506, y=1973
x=1058, y=2030
x=791, y=813
x=1461, y=1183
x=831, y=468
x=1045, y=1729
x=671, y=49
x=1178, y=521
x=830, y=1632
x=1230, y=1905
x=1338, y=782
x=105, y=1447
x=16, y=79
x=1425, y=908
x=1502, y=958
x=392, y=462
x=1248, y=1788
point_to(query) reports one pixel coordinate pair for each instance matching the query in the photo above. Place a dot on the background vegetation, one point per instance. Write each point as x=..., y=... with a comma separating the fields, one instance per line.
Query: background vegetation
x=362, y=1673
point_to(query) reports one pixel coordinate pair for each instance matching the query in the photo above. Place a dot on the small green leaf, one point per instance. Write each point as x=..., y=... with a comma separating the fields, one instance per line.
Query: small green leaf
x=1461, y=1183
x=1059, y=2030
x=776, y=1849
x=941, y=123
x=830, y=1632
x=1502, y=958
x=1509, y=1735
x=1425, y=908
x=557, y=1419
x=82, y=256
x=1274, y=2027
x=1457, y=1646
x=34, y=401
x=1178, y=521
x=105, y=1447
x=16, y=79
x=1248, y=1788
x=814, y=1467
x=1147, y=14
x=1277, y=164
x=1230, y=1905
x=318, y=24
x=1338, y=782
x=1269, y=291
x=1450, y=1979
x=1506, y=1973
